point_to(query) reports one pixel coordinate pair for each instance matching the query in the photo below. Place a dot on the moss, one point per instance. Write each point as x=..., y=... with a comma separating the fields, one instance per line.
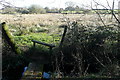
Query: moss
x=9, y=38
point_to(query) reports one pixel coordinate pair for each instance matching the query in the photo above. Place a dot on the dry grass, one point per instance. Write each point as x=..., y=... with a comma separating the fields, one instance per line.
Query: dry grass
x=32, y=19
x=52, y=19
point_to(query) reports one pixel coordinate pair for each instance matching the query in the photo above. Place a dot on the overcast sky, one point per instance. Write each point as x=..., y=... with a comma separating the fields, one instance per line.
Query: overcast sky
x=60, y=3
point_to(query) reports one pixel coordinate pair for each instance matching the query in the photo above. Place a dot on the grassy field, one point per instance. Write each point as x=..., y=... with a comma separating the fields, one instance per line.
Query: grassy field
x=45, y=27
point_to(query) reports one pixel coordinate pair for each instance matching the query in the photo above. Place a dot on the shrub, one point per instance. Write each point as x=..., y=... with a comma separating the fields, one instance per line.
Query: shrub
x=36, y=9
x=90, y=47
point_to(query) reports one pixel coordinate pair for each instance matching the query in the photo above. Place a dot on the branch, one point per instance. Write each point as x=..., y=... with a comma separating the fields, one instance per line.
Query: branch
x=116, y=18
x=98, y=60
x=107, y=57
x=112, y=10
x=100, y=4
x=6, y=4
x=99, y=16
x=108, y=4
x=86, y=69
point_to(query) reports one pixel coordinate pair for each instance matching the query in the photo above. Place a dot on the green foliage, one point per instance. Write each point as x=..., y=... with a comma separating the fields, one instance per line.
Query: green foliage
x=24, y=35
x=43, y=37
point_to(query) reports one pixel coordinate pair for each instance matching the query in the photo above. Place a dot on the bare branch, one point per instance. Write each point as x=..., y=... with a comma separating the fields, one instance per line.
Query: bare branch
x=108, y=4
x=99, y=16
x=99, y=4
x=86, y=69
x=98, y=60
x=107, y=57
x=112, y=10
x=6, y=4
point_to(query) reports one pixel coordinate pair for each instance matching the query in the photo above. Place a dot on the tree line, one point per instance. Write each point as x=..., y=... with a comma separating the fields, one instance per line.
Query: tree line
x=39, y=10
x=71, y=7
x=36, y=9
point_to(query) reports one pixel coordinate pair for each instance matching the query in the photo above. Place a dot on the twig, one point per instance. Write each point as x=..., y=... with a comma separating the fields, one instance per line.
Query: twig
x=108, y=57
x=100, y=4
x=86, y=69
x=116, y=18
x=112, y=10
x=100, y=17
x=98, y=60
x=108, y=4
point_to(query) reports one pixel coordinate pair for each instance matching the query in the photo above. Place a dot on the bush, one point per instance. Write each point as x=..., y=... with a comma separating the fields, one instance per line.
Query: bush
x=36, y=9
x=90, y=47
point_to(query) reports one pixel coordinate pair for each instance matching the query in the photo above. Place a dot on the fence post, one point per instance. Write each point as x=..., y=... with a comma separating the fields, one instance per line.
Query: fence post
x=33, y=44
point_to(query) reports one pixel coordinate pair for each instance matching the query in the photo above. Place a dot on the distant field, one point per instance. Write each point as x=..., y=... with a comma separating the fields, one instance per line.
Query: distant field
x=52, y=19
x=41, y=26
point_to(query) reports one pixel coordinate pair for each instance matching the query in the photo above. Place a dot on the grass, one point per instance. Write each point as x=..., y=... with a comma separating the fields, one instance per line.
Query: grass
x=25, y=40
x=45, y=27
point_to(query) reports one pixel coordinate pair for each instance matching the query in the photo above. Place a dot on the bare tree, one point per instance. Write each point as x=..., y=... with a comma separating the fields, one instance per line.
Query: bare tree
x=70, y=4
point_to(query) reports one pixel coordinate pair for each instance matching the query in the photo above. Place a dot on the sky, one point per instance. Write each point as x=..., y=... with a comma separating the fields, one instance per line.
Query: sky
x=61, y=3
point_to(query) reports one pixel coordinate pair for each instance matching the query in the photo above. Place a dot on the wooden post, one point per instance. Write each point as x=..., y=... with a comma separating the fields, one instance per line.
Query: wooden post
x=50, y=50
x=33, y=44
x=63, y=36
